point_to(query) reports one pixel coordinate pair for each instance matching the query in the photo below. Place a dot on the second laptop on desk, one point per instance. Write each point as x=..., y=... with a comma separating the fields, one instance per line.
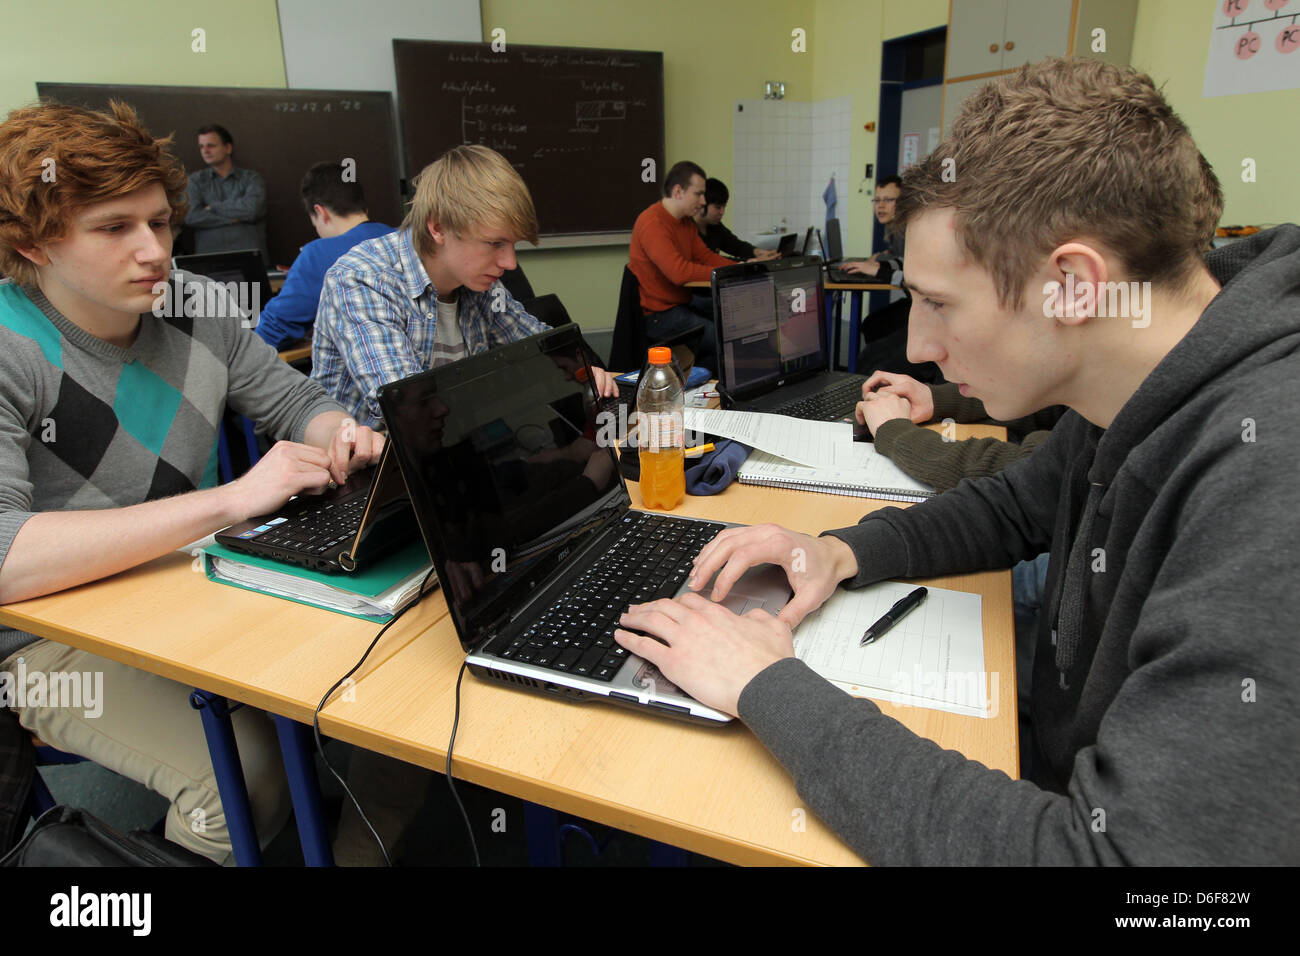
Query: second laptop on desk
x=519, y=498
x=773, y=354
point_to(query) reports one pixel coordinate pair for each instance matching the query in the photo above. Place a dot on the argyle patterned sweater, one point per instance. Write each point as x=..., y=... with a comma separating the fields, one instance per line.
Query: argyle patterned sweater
x=89, y=425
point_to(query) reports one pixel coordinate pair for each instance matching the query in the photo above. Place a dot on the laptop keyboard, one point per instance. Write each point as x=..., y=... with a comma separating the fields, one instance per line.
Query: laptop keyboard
x=317, y=530
x=834, y=403
x=576, y=634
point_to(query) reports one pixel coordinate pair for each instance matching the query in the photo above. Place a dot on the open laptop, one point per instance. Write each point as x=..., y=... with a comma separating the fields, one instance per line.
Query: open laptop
x=785, y=246
x=834, y=262
x=772, y=350
x=531, y=528
x=244, y=267
x=812, y=242
x=344, y=529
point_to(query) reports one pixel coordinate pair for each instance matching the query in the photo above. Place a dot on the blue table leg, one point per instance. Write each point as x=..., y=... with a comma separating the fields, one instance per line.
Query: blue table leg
x=831, y=297
x=220, y=734
x=297, y=748
x=835, y=330
x=543, y=827
x=225, y=469
x=855, y=321
x=40, y=799
x=661, y=854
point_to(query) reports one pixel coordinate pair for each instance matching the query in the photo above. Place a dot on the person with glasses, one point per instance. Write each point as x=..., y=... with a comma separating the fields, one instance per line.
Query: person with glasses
x=431, y=292
x=883, y=264
x=884, y=331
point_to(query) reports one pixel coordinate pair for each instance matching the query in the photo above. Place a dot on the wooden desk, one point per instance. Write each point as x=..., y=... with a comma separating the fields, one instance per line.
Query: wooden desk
x=167, y=618
x=295, y=354
x=713, y=791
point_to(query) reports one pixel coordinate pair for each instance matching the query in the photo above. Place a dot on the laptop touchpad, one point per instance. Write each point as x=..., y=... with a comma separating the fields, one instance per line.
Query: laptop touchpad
x=763, y=587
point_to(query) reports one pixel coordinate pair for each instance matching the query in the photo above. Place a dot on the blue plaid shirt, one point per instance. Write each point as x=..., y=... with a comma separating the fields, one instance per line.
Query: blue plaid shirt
x=377, y=317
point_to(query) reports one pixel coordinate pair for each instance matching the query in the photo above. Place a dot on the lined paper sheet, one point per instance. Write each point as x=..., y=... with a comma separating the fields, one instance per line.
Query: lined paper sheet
x=820, y=444
x=933, y=658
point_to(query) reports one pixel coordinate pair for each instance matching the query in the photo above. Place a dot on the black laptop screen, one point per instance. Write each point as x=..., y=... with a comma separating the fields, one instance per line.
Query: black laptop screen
x=507, y=468
x=770, y=324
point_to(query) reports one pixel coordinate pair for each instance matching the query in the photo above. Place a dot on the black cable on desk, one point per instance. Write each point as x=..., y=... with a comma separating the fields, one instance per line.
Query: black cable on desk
x=315, y=717
x=451, y=782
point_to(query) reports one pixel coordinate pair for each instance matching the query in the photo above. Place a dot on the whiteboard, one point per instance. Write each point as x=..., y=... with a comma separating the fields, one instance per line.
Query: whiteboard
x=1254, y=47
x=345, y=45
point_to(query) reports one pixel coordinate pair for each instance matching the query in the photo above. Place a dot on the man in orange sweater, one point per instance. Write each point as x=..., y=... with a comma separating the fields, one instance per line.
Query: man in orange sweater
x=667, y=252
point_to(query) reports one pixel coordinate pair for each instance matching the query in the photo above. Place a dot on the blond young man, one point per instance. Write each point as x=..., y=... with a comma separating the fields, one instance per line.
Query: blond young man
x=431, y=292
x=111, y=395
x=1166, y=498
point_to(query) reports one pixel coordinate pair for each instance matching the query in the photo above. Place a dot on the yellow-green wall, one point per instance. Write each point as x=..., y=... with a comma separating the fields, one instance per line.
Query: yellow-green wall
x=137, y=41
x=1171, y=41
x=715, y=52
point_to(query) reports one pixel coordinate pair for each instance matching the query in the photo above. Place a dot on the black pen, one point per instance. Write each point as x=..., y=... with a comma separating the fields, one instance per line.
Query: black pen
x=902, y=607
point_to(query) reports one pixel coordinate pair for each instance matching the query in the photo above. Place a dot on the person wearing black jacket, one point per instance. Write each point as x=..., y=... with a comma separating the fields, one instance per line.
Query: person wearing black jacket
x=718, y=237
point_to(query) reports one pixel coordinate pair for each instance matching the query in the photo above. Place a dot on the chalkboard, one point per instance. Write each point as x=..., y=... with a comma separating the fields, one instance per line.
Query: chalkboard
x=578, y=123
x=278, y=133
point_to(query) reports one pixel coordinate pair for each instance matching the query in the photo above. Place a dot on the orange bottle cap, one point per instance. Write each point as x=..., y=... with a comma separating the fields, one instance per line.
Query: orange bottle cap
x=661, y=355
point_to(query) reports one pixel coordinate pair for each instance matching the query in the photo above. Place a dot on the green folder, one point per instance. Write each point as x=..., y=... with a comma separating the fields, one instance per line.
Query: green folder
x=368, y=583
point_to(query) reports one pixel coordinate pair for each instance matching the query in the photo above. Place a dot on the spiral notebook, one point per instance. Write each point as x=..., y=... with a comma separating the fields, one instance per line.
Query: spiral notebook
x=869, y=475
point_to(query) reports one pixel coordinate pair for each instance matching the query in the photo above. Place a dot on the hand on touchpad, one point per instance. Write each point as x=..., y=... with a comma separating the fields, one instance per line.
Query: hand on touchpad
x=764, y=586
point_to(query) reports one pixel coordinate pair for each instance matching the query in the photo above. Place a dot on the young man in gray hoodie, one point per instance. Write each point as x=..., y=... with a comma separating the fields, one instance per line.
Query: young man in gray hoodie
x=1165, y=713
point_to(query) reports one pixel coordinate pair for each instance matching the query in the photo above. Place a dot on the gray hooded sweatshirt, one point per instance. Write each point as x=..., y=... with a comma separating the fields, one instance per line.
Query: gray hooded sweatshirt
x=1165, y=705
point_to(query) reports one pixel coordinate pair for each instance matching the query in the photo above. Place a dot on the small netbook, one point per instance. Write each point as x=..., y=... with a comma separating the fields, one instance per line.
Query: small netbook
x=516, y=489
x=342, y=530
x=773, y=354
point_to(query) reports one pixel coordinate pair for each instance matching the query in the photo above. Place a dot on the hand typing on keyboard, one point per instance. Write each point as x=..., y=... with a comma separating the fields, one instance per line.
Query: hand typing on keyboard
x=704, y=648
x=288, y=469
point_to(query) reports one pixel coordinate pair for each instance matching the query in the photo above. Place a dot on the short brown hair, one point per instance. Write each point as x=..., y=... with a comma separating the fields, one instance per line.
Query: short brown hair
x=469, y=186
x=681, y=175
x=96, y=156
x=1067, y=149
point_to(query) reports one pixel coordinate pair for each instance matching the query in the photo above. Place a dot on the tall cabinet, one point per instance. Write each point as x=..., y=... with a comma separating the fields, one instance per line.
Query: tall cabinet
x=987, y=38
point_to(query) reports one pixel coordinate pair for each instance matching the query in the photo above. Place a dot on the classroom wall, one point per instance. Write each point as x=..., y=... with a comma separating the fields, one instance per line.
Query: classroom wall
x=1171, y=42
x=850, y=35
x=714, y=54
x=139, y=42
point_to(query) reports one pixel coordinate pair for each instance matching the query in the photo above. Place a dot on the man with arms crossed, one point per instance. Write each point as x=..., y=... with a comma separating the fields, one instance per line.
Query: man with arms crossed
x=110, y=400
x=431, y=292
x=227, y=202
x=1163, y=690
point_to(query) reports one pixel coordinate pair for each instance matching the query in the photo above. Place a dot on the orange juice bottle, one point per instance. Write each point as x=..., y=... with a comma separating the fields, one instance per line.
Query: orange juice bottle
x=660, y=405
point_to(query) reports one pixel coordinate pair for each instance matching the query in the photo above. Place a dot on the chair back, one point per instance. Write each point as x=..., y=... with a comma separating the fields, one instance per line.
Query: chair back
x=627, y=352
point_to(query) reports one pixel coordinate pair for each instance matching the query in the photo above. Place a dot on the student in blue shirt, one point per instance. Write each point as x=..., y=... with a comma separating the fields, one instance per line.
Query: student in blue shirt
x=337, y=208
